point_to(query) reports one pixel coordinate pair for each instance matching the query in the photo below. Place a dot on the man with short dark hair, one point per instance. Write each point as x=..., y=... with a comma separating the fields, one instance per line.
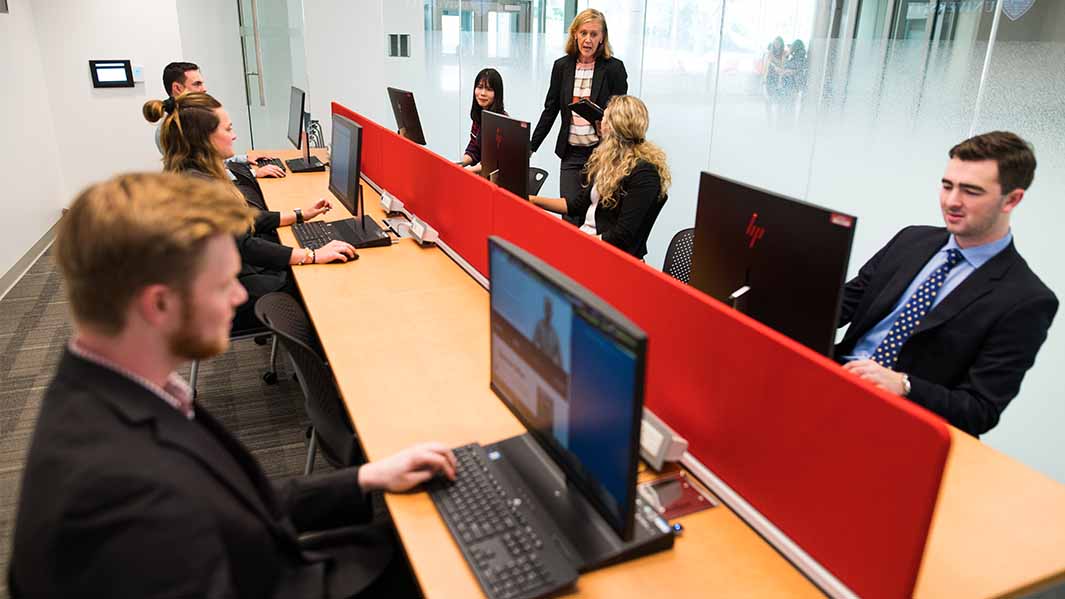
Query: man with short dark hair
x=131, y=488
x=181, y=77
x=952, y=317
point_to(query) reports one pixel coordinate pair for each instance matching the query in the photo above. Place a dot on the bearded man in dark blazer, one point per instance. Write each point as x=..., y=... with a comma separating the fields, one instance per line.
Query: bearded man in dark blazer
x=952, y=317
x=132, y=489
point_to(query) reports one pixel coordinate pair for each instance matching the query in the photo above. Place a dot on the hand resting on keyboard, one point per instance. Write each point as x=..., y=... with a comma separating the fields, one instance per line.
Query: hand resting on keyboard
x=335, y=251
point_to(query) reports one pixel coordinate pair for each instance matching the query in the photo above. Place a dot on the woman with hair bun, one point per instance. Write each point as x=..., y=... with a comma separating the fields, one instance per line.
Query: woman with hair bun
x=627, y=181
x=197, y=137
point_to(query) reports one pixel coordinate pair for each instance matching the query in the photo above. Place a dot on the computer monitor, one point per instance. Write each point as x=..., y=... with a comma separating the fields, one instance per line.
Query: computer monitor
x=781, y=261
x=298, y=121
x=406, y=113
x=297, y=99
x=345, y=159
x=571, y=369
x=505, y=152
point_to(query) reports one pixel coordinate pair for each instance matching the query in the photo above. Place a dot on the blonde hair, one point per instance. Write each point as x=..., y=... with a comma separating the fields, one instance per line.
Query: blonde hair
x=622, y=148
x=585, y=16
x=188, y=122
x=135, y=230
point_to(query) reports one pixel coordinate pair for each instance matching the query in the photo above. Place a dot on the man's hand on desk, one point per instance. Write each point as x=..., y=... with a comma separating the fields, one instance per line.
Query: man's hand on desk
x=408, y=468
x=320, y=207
x=333, y=251
x=885, y=378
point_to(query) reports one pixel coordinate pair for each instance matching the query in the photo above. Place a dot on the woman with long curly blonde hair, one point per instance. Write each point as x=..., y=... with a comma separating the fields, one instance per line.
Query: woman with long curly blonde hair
x=626, y=181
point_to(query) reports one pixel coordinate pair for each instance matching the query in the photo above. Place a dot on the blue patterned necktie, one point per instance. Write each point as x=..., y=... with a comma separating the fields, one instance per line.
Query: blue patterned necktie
x=913, y=311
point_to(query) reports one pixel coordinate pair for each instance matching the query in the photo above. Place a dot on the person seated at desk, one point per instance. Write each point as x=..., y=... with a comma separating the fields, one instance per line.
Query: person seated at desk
x=197, y=136
x=952, y=317
x=626, y=181
x=181, y=77
x=487, y=95
x=132, y=488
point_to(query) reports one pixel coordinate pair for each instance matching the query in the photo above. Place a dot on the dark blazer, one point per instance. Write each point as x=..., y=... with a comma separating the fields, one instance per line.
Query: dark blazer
x=969, y=355
x=608, y=80
x=122, y=496
x=260, y=248
x=628, y=224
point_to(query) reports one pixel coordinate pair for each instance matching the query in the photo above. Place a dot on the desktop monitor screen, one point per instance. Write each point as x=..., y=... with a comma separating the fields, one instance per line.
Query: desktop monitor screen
x=344, y=162
x=791, y=255
x=406, y=113
x=571, y=369
x=295, y=116
x=505, y=152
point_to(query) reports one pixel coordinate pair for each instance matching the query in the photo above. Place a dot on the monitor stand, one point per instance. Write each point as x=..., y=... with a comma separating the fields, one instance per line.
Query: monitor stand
x=305, y=165
x=309, y=163
x=364, y=232
x=585, y=531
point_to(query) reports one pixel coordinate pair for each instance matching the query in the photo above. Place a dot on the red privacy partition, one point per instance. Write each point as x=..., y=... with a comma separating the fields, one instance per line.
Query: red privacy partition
x=848, y=472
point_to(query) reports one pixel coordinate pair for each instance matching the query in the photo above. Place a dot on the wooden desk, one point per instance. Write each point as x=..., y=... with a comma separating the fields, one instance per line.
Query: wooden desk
x=406, y=332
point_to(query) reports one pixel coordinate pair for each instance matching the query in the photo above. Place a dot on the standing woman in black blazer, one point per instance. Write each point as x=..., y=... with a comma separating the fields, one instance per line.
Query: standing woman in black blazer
x=588, y=70
x=627, y=181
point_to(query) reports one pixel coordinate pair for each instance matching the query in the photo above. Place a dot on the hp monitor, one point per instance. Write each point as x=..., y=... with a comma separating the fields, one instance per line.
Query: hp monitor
x=505, y=152
x=781, y=261
x=406, y=113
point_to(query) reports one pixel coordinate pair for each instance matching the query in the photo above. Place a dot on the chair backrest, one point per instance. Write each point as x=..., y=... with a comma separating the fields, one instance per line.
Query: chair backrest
x=283, y=315
x=537, y=176
x=314, y=135
x=678, y=262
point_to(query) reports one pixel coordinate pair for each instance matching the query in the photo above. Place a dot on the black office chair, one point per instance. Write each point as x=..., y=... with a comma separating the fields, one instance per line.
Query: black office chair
x=260, y=334
x=330, y=428
x=678, y=262
x=315, y=137
x=537, y=176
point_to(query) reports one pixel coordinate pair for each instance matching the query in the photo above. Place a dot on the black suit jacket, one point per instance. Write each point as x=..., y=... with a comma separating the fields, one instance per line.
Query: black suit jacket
x=628, y=224
x=967, y=358
x=122, y=496
x=608, y=80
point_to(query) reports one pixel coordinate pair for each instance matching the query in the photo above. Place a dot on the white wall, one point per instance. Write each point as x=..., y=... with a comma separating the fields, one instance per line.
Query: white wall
x=210, y=38
x=101, y=131
x=32, y=174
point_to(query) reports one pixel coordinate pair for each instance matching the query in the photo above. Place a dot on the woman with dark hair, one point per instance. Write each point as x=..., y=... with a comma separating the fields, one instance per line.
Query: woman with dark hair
x=487, y=95
x=197, y=137
x=588, y=70
x=774, y=65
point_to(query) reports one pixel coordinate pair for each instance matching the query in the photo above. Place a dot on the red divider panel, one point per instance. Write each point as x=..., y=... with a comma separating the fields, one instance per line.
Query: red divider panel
x=456, y=203
x=848, y=473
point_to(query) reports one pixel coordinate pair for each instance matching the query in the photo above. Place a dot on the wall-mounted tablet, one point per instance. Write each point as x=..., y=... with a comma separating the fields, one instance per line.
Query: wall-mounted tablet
x=111, y=73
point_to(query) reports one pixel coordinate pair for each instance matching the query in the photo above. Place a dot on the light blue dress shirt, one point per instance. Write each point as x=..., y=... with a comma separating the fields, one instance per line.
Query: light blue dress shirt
x=972, y=259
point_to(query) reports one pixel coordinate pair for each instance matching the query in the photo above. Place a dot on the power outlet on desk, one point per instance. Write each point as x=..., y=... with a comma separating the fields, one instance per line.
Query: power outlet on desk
x=658, y=443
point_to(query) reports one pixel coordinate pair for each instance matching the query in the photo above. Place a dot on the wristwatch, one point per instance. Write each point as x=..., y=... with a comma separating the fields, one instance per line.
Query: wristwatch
x=299, y=216
x=905, y=384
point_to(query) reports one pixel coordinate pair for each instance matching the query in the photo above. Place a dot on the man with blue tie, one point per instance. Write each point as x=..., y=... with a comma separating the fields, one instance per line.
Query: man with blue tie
x=952, y=317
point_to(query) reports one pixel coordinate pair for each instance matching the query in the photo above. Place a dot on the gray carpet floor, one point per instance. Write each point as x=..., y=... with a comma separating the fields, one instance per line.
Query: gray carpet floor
x=35, y=326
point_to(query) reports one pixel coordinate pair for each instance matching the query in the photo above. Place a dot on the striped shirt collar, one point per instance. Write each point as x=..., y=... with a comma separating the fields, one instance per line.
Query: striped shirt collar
x=175, y=392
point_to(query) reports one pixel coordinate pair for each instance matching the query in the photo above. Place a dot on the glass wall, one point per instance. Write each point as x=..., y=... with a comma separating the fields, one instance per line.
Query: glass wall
x=878, y=91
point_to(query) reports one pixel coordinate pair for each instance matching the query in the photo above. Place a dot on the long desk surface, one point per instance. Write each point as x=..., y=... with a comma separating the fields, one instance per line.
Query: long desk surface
x=406, y=332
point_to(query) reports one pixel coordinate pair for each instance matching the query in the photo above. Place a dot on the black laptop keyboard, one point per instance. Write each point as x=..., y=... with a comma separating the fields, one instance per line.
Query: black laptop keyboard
x=313, y=235
x=496, y=532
